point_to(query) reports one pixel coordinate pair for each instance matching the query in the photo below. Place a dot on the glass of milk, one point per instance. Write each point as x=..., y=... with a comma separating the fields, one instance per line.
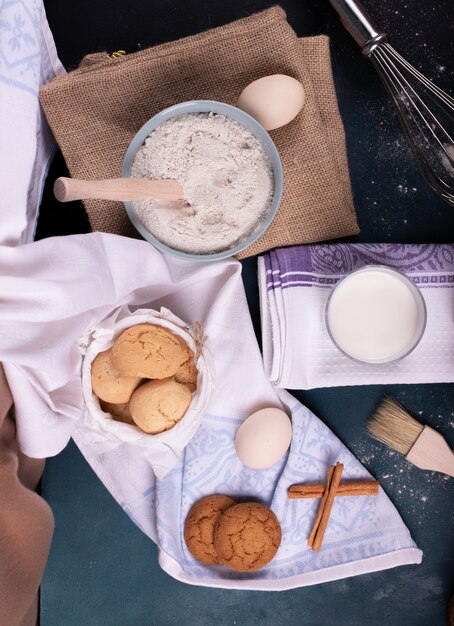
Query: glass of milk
x=376, y=315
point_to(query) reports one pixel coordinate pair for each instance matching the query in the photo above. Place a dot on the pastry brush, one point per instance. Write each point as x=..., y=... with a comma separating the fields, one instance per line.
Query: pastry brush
x=421, y=445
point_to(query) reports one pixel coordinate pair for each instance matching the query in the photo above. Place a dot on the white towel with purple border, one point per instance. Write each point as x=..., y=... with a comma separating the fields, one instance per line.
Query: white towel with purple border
x=294, y=286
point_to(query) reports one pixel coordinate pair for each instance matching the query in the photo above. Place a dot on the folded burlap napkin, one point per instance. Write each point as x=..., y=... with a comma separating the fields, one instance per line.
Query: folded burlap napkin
x=95, y=111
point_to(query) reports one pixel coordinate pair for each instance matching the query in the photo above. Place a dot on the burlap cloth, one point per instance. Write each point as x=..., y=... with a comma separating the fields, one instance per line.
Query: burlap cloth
x=95, y=110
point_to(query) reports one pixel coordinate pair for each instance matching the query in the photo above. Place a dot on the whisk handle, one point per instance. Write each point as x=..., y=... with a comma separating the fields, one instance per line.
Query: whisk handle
x=359, y=24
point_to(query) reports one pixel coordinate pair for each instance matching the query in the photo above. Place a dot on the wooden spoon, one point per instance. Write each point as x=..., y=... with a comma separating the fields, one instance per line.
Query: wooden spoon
x=121, y=189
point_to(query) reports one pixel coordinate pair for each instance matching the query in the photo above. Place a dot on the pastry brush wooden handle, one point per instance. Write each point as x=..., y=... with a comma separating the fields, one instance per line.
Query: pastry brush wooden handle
x=121, y=189
x=431, y=452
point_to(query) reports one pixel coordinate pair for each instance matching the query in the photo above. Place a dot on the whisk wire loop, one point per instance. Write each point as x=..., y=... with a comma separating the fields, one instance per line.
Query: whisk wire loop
x=430, y=139
x=425, y=111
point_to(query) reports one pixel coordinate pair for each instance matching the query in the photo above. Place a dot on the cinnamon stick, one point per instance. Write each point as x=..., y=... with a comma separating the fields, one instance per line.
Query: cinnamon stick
x=321, y=507
x=356, y=488
x=333, y=486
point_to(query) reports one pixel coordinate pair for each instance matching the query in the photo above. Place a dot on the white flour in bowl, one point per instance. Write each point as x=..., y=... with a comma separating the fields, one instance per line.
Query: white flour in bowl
x=226, y=176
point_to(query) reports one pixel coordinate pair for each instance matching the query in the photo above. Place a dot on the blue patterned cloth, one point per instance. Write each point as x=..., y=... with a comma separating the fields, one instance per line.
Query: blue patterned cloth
x=364, y=533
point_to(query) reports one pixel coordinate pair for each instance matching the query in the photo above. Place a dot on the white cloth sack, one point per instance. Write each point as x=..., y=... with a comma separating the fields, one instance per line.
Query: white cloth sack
x=294, y=285
x=102, y=433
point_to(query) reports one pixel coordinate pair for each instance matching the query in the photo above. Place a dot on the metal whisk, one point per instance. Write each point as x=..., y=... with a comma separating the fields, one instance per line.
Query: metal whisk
x=426, y=112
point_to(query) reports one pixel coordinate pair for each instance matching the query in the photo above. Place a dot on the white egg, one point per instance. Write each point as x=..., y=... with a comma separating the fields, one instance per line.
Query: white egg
x=273, y=100
x=263, y=438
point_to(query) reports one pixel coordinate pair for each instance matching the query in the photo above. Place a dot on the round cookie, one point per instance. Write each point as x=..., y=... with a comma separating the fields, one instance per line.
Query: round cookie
x=159, y=404
x=199, y=527
x=107, y=383
x=118, y=412
x=187, y=372
x=149, y=351
x=247, y=536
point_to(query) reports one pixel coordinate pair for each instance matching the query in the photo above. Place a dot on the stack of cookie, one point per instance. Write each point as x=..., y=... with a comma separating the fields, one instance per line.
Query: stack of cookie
x=146, y=378
x=244, y=537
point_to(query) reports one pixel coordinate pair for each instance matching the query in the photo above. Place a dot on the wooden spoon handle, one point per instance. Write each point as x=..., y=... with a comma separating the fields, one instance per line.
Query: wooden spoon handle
x=121, y=189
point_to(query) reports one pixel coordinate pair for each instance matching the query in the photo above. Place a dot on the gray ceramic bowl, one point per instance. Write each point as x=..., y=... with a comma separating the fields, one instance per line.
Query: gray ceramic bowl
x=207, y=106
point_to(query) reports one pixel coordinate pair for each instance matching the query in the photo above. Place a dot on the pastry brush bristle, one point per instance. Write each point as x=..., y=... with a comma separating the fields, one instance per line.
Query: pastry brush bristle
x=394, y=426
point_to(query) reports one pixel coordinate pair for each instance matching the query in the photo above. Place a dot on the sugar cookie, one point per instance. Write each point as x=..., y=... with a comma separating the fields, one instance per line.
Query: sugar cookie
x=187, y=372
x=159, y=404
x=199, y=527
x=247, y=536
x=118, y=412
x=149, y=351
x=106, y=381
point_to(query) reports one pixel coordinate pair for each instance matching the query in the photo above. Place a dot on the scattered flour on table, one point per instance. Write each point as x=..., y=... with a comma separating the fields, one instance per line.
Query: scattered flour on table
x=226, y=176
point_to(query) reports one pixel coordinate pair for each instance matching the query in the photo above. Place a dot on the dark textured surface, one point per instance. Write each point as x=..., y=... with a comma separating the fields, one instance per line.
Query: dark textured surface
x=102, y=569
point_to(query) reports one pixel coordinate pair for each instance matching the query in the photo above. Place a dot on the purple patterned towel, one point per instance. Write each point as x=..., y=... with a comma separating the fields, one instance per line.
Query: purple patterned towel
x=294, y=286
